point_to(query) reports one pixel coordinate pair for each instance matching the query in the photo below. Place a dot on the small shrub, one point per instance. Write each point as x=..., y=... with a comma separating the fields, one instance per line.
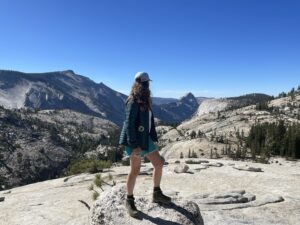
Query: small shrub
x=192, y=162
x=263, y=160
x=110, y=177
x=87, y=166
x=91, y=187
x=98, y=181
x=95, y=195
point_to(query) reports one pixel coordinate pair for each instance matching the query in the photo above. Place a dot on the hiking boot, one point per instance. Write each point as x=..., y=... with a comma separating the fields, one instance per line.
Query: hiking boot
x=131, y=209
x=159, y=197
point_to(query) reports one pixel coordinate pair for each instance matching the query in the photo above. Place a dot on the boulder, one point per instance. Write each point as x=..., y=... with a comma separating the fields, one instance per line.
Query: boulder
x=126, y=161
x=192, y=161
x=109, y=209
x=182, y=168
x=234, y=199
x=199, y=168
x=248, y=168
x=231, y=197
x=216, y=164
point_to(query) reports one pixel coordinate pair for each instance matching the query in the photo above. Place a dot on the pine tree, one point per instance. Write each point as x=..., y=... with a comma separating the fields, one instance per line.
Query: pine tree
x=181, y=155
x=274, y=139
x=280, y=134
x=199, y=134
x=194, y=154
x=193, y=134
x=281, y=95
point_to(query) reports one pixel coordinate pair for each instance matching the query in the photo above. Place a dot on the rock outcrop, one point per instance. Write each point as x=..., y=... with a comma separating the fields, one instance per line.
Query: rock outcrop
x=217, y=128
x=224, y=196
x=182, y=168
x=248, y=168
x=109, y=210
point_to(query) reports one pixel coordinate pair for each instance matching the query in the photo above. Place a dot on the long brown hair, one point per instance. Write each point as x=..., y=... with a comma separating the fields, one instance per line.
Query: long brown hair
x=141, y=94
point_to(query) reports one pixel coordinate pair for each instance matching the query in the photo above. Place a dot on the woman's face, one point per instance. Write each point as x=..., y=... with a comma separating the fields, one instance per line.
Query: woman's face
x=145, y=84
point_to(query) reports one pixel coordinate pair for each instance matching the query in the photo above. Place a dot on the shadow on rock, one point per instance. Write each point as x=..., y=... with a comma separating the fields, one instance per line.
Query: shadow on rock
x=196, y=219
x=159, y=221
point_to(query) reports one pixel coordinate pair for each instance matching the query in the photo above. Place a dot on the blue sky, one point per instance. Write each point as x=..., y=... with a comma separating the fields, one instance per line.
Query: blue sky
x=212, y=48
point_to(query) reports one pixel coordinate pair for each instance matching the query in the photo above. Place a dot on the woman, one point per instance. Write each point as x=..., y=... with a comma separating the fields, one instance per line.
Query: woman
x=138, y=136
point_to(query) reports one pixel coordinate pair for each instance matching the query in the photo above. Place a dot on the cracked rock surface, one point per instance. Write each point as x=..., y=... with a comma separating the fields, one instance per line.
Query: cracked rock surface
x=221, y=195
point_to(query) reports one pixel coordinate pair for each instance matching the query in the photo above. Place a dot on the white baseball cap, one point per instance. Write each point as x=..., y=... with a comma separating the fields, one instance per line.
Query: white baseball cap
x=143, y=76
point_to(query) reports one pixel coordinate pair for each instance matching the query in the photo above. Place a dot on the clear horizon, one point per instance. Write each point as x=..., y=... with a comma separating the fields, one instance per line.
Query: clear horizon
x=184, y=93
x=210, y=48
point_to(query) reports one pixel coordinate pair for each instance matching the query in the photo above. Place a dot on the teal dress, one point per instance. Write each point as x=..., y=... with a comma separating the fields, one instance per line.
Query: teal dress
x=152, y=147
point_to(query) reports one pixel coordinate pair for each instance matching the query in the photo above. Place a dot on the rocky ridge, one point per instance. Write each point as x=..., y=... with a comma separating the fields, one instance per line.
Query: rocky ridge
x=208, y=132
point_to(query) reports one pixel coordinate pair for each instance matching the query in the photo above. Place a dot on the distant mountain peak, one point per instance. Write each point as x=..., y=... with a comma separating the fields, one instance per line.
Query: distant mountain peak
x=188, y=97
x=60, y=90
x=103, y=85
x=68, y=72
x=177, y=110
x=64, y=89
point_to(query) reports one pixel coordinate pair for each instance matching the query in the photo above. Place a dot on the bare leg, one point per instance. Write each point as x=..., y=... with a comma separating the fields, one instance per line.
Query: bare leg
x=157, y=161
x=135, y=165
